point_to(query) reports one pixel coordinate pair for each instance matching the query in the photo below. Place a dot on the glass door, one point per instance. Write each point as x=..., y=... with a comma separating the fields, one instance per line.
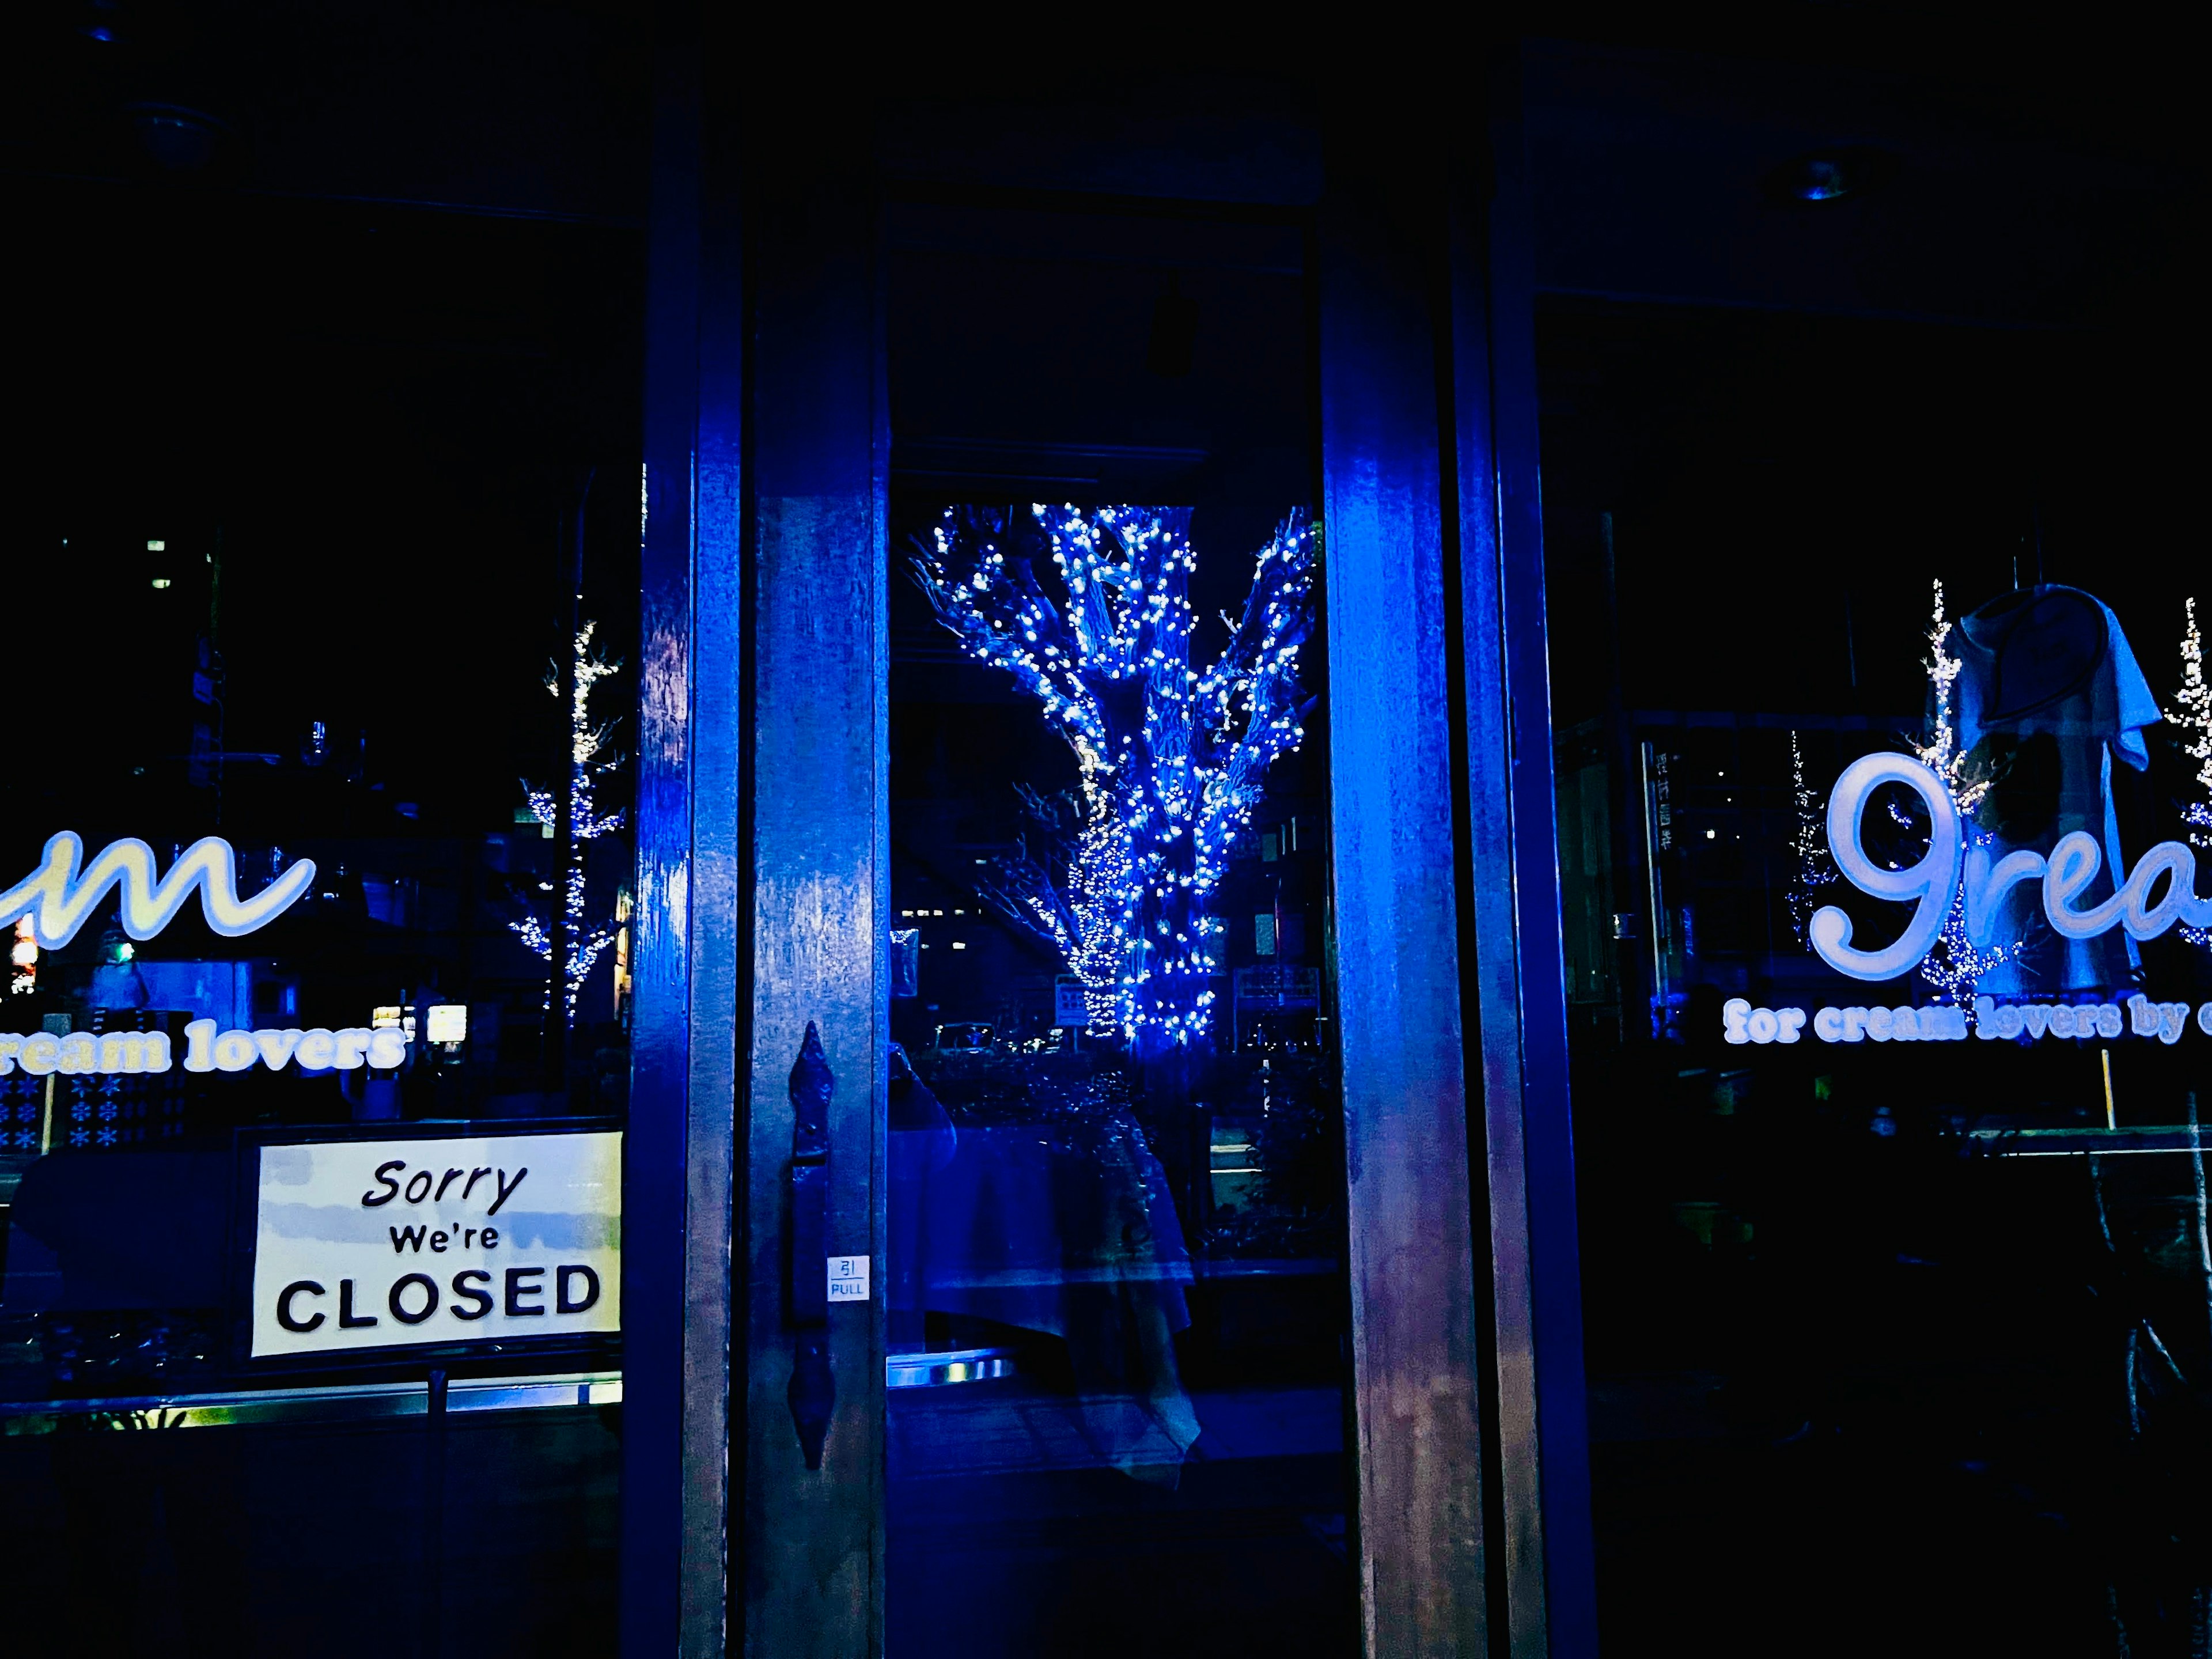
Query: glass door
x=1105, y=1242
x=1114, y=1269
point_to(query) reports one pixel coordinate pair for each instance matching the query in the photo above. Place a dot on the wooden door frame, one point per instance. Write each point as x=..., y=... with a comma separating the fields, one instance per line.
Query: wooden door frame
x=692, y=891
x=764, y=864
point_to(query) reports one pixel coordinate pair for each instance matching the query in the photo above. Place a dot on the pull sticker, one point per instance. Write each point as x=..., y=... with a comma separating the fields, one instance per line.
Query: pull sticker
x=848, y=1278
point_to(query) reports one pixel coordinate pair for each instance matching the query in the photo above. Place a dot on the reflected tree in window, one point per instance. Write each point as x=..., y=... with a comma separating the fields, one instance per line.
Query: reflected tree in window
x=1171, y=755
x=564, y=934
x=2193, y=715
x=1954, y=964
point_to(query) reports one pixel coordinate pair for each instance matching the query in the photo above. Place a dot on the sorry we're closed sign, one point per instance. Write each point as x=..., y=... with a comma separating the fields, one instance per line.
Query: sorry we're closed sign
x=365, y=1244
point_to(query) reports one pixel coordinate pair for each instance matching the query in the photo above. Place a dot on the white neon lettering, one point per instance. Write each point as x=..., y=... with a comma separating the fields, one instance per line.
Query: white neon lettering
x=1736, y=1014
x=1904, y=1024
x=1932, y=885
x=1929, y=884
x=1986, y=888
x=206, y=1049
x=2072, y=1022
x=134, y=1051
x=277, y=1047
x=1792, y=1022
x=60, y=899
x=2073, y=864
x=2144, y=920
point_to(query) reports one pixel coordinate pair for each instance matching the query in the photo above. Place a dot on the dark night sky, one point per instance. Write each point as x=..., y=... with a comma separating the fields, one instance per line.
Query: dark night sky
x=376, y=418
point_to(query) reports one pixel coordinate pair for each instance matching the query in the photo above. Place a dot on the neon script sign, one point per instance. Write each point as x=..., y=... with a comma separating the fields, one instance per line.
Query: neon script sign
x=1932, y=886
x=62, y=891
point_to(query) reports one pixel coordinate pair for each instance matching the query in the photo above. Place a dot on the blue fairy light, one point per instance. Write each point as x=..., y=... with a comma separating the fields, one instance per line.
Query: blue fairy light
x=1168, y=776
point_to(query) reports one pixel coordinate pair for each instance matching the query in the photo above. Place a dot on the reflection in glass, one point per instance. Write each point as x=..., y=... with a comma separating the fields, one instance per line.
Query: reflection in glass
x=1115, y=1271
x=1879, y=811
x=343, y=711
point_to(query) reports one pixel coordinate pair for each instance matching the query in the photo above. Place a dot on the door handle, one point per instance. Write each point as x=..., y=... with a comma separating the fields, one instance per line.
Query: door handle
x=812, y=1394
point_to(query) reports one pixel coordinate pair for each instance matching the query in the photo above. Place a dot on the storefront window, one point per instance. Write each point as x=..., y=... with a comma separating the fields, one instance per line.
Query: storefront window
x=1881, y=762
x=1116, y=1293
x=321, y=547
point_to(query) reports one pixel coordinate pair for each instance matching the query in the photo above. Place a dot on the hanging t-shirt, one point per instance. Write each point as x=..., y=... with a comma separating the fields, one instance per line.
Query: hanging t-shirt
x=2048, y=693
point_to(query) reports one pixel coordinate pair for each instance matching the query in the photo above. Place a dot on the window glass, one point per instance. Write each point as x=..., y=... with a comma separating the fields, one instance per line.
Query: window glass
x=1881, y=765
x=1116, y=1287
x=320, y=548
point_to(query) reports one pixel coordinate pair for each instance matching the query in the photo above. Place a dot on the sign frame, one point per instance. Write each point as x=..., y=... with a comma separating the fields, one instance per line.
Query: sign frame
x=479, y=1356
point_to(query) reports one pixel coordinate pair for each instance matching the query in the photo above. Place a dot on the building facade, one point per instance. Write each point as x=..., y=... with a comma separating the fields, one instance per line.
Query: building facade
x=862, y=847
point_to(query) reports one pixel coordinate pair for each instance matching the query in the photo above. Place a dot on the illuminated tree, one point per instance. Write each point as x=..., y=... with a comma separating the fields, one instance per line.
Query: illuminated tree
x=1954, y=964
x=1170, y=757
x=1815, y=869
x=2194, y=716
x=1024, y=887
x=567, y=941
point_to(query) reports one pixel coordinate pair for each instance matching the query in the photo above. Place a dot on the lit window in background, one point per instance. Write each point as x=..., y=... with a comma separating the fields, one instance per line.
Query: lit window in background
x=624, y=907
x=25, y=957
x=448, y=1022
x=161, y=581
x=157, y=547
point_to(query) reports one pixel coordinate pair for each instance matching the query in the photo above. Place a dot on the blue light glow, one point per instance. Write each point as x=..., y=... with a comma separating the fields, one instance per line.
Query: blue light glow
x=1172, y=757
x=579, y=943
x=59, y=899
